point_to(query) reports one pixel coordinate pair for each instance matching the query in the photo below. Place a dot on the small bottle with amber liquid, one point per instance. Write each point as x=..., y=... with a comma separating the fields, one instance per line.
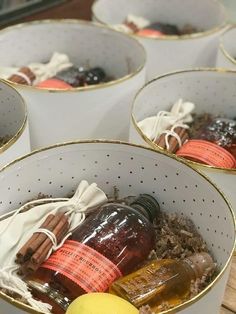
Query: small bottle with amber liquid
x=111, y=242
x=161, y=281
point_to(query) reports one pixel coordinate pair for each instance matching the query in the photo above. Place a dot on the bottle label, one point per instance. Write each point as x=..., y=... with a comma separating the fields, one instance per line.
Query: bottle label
x=208, y=153
x=89, y=269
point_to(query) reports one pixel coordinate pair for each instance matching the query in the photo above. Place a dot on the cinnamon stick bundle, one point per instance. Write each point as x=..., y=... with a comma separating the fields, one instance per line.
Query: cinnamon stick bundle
x=132, y=26
x=173, y=143
x=35, y=250
x=17, y=78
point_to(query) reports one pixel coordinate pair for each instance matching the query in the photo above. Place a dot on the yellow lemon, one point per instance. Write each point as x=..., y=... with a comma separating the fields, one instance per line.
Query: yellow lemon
x=101, y=303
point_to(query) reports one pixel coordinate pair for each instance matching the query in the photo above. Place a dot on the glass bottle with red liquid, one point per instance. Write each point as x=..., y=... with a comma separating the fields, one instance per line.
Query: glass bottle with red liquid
x=111, y=242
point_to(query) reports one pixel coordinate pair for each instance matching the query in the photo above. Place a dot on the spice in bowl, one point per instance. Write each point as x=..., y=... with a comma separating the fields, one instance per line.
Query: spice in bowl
x=202, y=138
x=58, y=73
x=141, y=26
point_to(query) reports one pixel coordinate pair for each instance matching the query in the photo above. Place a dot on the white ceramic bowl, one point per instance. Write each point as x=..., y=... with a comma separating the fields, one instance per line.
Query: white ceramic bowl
x=13, y=124
x=99, y=111
x=57, y=170
x=227, y=49
x=170, y=53
x=211, y=90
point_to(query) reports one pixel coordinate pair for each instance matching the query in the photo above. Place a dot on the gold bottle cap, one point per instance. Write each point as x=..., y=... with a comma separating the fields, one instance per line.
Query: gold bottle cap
x=147, y=205
x=202, y=263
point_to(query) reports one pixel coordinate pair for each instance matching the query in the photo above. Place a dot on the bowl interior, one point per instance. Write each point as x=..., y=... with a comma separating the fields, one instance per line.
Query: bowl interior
x=202, y=14
x=211, y=91
x=231, y=8
x=84, y=43
x=178, y=188
x=12, y=111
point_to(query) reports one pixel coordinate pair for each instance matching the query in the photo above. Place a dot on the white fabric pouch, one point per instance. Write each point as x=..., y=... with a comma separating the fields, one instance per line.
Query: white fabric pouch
x=180, y=114
x=17, y=227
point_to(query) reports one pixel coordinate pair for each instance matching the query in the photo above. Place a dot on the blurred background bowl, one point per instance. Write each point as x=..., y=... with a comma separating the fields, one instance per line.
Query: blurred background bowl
x=14, y=129
x=211, y=90
x=170, y=53
x=98, y=111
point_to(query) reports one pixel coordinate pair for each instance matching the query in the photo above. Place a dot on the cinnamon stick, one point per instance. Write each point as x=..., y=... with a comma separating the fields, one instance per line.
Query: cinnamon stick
x=23, y=254
x=31, y=266
x=25, y=269
x=34, y=266
x=184, y=138
x=63, y=224
x=32, y=248
x=173, y=143
x=132, y=26
x=20, y=79
x=161, y=141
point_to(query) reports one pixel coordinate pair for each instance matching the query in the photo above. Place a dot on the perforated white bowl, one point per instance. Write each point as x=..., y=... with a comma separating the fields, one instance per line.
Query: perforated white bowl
x=13, y=124
x=99, y=111
x=57, y=170
x=170, y=53
x=227, y=49
x=211, y=90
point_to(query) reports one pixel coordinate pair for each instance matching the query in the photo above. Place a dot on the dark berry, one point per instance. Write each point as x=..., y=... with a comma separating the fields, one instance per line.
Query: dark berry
x=221, y=131
x=95, y=76
x=166, y=29
x=72, y=76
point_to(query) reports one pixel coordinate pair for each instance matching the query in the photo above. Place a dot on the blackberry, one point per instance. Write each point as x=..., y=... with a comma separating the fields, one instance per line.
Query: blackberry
x=95, y=76
x=166, y=29
x=73, y=76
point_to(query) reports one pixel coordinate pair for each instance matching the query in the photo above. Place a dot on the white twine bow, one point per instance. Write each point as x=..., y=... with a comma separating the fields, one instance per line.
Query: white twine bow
x=13, y=230
x=23, y=207
x=138, y=21
x=24, y=76
x=44, y=71
x=171, y=132
x=77, y=205
x=180, y=114
x=157, y=127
